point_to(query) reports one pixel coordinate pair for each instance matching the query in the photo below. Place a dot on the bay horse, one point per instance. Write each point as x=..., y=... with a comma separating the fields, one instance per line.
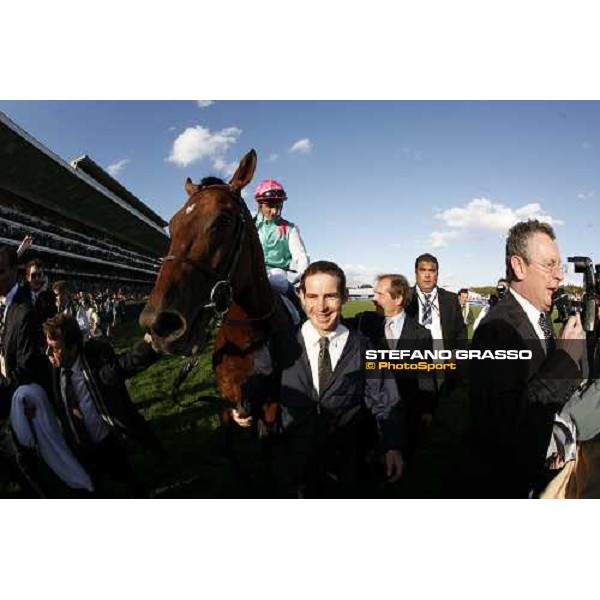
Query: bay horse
x=215, y=271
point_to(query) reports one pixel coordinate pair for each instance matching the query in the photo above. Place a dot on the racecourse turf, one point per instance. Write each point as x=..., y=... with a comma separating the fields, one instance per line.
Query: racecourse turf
x=193, y=461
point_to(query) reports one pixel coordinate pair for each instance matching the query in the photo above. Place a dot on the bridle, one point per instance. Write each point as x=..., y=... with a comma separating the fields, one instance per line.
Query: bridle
x=221, y=293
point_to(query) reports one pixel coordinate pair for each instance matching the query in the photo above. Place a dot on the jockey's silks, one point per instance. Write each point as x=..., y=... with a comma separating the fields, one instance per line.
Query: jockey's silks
x=274, y=239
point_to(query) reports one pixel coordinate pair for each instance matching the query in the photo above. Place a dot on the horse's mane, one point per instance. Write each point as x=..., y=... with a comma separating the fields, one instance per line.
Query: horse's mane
x=210, y=180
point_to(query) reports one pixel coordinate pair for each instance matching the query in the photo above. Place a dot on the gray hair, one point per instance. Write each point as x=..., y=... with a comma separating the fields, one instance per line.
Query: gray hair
x=517, y=242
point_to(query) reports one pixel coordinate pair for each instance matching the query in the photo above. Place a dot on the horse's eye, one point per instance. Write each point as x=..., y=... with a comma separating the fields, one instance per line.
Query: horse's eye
x=222, y=222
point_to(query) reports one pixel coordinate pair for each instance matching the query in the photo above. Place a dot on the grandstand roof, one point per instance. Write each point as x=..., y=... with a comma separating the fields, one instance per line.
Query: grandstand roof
x=32, y=171
x=85, y=163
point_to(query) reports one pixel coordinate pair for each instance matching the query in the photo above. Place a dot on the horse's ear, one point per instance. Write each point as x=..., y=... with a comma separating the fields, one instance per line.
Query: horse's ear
x=190, y=188
x=245, y=171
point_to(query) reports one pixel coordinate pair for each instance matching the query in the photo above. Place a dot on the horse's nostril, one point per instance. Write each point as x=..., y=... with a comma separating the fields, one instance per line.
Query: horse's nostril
x=167, y=323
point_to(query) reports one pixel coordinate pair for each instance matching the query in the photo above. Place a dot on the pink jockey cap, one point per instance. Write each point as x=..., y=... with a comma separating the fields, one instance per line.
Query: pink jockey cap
x=269, y=189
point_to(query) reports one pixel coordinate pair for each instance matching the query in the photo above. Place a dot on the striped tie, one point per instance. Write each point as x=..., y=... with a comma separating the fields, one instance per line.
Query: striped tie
x=547, y=330
x=427, y=311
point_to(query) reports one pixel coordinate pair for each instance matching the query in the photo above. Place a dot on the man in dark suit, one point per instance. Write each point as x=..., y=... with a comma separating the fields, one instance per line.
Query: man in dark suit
x=24, y=369
x=92, y=400
x=515, y=402
x=439, y=311
x=43, y=299
x=331, y=405
x=465, y=309
x=436, y=308
x=391, y=328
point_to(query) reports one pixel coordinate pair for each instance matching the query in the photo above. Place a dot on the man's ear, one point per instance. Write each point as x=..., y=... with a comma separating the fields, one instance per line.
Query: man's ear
x=518, y=266
x=302, y=298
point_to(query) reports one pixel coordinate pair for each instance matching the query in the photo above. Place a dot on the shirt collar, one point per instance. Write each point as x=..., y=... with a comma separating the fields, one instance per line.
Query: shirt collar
x=312, y=336
x=76, y=367
x=533, y=314
x=433, y=294
x=397, y=320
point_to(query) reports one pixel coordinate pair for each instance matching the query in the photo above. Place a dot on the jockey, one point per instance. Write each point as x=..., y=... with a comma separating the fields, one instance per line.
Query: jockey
x=280, y=239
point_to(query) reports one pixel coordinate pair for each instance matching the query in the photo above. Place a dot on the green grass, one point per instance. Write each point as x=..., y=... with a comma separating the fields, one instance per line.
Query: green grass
x=192, y=464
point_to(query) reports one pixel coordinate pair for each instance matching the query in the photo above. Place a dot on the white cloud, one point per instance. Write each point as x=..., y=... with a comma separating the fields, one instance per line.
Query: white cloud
x=173, y=128
x=272, y=157
x=484, y=214
x=357, y=274
x=196, y=143
x=439, y=239
x=586, y=145
x=586, y=195
x=204, y=103
x=303, y=146
x=411, y=153
x=227, y=169
x=117, y=167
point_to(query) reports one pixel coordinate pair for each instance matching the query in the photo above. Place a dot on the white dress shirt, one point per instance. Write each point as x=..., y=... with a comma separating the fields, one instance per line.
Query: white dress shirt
x=564, y=432
x=533, y=314
x=337, y=341
x=396, y=324
x=435, y=327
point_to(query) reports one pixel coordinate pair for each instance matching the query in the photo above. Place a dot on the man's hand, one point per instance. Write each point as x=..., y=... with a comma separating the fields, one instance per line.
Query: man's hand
x=241, y=418
x=394, y=465
x=572, y=338
x=25, y=245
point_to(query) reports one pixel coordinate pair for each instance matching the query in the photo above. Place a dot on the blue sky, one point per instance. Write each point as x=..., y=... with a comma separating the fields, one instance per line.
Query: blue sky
x=371, y=184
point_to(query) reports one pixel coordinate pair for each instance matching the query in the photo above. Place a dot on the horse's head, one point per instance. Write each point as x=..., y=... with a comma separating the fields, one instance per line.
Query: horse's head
x=214, y=256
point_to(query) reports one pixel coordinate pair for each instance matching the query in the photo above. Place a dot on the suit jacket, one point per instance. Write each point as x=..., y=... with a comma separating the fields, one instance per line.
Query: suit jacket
x=45, y=305
x=328, y=428
x=105, y=374
x=24, y=359
x=513, y=402
x=454, y=330
x=413, y=337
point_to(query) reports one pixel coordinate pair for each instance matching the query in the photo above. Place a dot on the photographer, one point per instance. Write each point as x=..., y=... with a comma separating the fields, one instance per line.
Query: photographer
x=501, y=290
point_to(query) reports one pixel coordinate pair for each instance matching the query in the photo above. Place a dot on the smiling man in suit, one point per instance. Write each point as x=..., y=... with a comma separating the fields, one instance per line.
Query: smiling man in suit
x=389, y=327
x=515, y=403
x=331, y=405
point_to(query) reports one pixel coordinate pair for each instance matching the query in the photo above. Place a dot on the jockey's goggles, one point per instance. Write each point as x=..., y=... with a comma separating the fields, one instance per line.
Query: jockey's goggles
x=273, y=195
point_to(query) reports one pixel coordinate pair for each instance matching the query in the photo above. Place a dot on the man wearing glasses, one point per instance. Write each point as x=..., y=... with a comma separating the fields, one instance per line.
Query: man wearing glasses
x=517, y=437
x=28, y=426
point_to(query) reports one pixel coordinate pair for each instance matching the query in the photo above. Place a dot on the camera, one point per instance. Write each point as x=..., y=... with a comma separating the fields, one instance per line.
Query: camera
x=501, y=290
x=568, y=306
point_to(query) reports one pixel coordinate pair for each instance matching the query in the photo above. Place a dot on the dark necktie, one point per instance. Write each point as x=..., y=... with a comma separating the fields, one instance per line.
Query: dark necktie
x=547, y=330
x=2, y=315
x=73, y=410
x=325, y=369
x=427, y=310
